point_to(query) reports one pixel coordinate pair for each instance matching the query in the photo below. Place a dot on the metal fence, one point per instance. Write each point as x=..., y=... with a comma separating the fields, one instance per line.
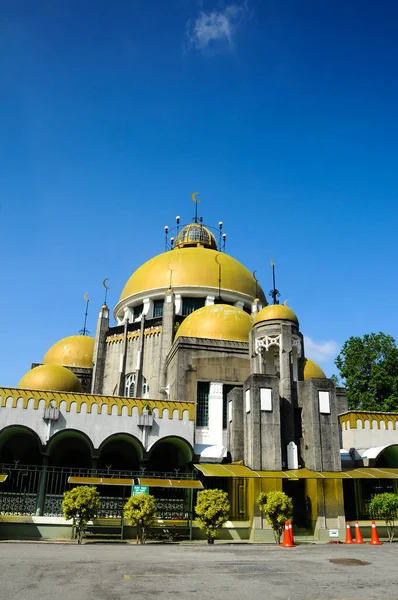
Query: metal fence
x=38, y=490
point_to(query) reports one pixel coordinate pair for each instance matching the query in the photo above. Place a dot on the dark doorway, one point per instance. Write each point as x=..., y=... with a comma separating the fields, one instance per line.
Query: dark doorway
x=296, y=491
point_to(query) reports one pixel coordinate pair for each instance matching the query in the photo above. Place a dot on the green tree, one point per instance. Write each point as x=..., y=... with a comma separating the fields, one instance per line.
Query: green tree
x=368, y=366
x=277, y=508
x=385, y=506
x=81, y=504
x=140, y=510
x=212, y=509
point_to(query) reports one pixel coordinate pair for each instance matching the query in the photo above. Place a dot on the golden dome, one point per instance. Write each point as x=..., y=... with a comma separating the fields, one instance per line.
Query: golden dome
x=72, y=351
x=312, y=370
x=50, y=377
x=194, y=234
x=217, y=322
x=276, y=311
x=192, y=267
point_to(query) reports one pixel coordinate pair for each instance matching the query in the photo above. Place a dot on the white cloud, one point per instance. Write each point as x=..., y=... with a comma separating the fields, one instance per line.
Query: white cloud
x=214, y=27
x=320, y=351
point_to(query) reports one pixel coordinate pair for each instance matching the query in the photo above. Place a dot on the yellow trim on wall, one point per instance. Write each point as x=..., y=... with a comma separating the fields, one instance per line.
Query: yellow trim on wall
x=93, y=403
x=352, y=417
x=112, y=339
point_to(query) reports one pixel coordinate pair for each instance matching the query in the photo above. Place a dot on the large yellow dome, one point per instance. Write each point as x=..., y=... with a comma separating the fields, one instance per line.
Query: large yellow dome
x=312, y=370
x=192, y=267
x=217, y=322
x=72, y=351
x=276, y=311
x=50, y=377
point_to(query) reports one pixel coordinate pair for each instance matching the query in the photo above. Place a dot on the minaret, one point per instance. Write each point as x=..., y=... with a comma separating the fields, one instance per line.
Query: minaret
x=100, y=350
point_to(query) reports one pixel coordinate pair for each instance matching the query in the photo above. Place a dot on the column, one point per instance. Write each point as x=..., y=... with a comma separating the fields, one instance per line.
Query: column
x=215, y=413
x=41, y=496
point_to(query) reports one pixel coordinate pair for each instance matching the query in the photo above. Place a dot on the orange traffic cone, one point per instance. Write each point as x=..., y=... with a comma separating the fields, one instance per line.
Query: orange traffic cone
x=348, y=536
x=375, y=538
x=287, y=542
x=358, y=534
x=291, y=533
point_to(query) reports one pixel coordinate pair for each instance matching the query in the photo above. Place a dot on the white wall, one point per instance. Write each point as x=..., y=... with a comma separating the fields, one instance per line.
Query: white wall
x=97, y=426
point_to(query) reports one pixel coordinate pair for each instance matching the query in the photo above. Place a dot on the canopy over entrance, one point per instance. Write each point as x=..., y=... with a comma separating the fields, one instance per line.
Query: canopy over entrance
x=232, y=470
x=150, y=482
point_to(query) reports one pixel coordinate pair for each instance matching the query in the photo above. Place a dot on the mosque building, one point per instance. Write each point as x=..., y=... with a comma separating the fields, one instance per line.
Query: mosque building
x=201, y=383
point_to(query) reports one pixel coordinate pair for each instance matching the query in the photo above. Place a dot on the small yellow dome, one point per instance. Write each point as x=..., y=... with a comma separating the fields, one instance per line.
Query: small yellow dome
x=194, y=234
x=276, y=311
x=312, y=370
x=72, y=351
x=217, y=322
x=192, y=267
x=50, y=377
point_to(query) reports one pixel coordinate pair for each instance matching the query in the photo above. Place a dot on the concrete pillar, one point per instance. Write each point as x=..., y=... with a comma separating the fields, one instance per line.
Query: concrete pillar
x=122, y=363
x=285, y=387
x=236, y=439
x=41, y=496
x=262, y=423
x=320, y=422
x=99, y=356
x=167, y=338
x=139, y=363
x=256, y=307
x=215, y=413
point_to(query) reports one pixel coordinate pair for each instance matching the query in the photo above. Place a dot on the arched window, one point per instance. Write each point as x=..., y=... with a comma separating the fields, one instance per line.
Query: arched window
x=130, y=387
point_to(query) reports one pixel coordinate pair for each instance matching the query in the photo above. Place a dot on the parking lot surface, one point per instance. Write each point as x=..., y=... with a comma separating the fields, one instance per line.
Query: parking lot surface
x=41, y=571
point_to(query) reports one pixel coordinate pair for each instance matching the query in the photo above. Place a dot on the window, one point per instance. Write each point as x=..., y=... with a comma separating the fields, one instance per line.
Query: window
x=130, y=387
x=137, y=311
x=225, y=391
x=157, y=308
x=202, y=408
x=189, y=305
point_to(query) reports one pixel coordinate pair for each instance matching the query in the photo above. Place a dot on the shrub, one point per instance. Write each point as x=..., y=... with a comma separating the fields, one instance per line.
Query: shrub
x=81, y=504
x=141, y=511
x=212, y=509
x=385, y=506
x=277, y=508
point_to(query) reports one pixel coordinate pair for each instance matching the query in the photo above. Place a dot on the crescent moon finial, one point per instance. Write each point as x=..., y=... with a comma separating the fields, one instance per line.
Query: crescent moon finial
x=285, y=302
x=85, y=297
x=104, y=283
x=194, y=197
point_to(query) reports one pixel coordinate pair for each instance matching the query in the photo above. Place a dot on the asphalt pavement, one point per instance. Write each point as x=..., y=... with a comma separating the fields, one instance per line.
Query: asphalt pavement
x=98, y=571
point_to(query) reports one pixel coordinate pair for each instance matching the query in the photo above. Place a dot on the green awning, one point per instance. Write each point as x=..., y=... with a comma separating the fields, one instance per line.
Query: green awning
x=211, y=470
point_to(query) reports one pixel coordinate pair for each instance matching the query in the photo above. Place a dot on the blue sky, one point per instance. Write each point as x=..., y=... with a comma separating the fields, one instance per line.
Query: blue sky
x=281, y=114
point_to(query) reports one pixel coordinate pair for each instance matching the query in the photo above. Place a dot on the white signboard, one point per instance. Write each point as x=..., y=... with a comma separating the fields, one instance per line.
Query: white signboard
x=266, y=399
x=333, y=533
x=247, y=396
x=324, y=403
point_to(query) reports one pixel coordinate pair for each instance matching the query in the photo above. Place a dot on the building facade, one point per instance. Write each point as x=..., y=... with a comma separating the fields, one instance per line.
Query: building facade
x=199, y=383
